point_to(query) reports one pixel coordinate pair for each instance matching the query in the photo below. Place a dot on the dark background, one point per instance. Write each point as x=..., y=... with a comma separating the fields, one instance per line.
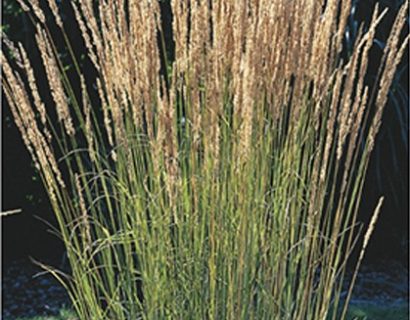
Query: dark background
x=25, y=235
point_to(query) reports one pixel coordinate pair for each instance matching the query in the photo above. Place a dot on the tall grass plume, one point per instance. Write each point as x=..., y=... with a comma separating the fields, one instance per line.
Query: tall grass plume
x=219, y=181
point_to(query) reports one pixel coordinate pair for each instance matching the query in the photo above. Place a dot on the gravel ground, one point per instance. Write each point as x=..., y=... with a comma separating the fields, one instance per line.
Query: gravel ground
x=382, y=284
x=27, y=295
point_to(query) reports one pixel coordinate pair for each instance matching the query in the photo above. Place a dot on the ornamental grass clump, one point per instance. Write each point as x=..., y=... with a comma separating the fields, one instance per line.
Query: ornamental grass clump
x=215, y=176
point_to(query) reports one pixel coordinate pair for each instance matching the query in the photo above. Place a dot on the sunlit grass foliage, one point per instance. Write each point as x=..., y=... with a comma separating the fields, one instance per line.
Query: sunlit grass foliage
x=223, y=183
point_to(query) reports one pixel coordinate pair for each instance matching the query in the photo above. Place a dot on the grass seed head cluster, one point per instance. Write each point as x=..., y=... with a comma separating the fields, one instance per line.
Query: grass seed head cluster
x=224, y=185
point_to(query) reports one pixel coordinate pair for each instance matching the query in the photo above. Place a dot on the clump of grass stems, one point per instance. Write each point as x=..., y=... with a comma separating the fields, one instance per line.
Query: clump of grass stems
x=223, y=186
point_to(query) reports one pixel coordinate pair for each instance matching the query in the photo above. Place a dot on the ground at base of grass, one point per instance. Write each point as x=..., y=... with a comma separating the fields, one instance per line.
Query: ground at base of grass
x=65, y=314
x=366, y=311
x=357, y=311
x=381, y=293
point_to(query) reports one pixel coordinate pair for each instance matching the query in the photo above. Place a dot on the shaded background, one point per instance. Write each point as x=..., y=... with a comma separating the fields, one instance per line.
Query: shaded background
x=25, y=235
